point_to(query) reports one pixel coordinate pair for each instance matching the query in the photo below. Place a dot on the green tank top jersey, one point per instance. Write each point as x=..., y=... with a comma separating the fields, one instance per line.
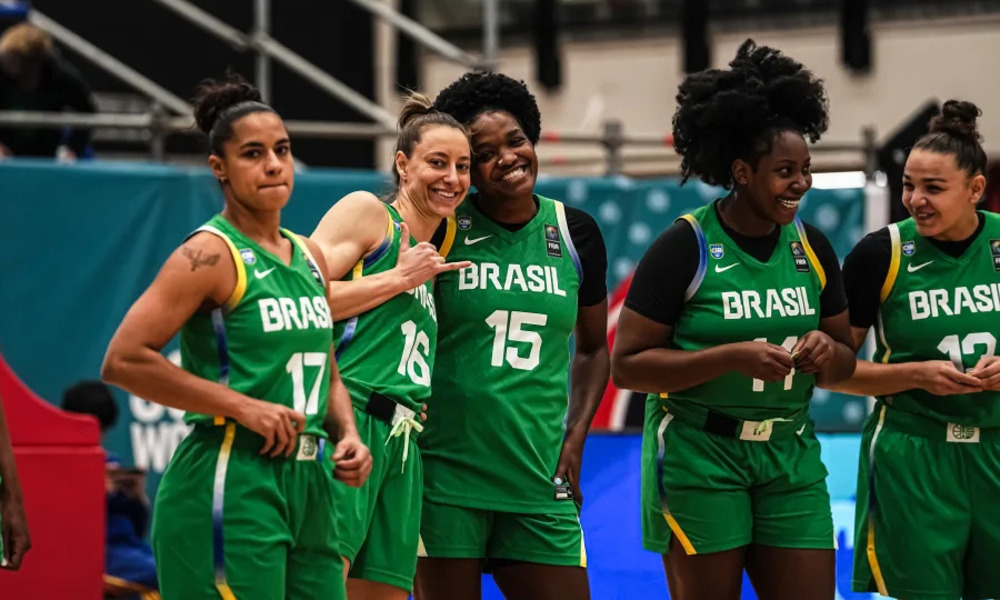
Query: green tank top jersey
x=734, y=297
x=500, y=388
x=938, y=307
x=272, y=338
x=390, y=348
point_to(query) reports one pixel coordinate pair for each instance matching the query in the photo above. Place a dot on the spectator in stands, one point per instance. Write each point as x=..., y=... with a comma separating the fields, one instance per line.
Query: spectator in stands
x=33, y=77
x=14, y=539
x=128, y=561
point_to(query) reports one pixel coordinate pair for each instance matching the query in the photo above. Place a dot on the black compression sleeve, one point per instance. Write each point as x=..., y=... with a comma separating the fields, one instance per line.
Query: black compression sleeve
x=833, y=300
x=865, y=269
x=664, y=273
x=593, y=254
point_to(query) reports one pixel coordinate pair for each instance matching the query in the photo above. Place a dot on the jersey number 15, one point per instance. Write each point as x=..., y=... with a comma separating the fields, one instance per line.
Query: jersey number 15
x=508, y=328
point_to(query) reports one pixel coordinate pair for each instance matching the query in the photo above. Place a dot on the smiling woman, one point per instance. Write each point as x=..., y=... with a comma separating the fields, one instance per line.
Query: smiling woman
x=382, y=271
x=243, y=509
x=502, y=449
x=733, y=315
x=930, y=283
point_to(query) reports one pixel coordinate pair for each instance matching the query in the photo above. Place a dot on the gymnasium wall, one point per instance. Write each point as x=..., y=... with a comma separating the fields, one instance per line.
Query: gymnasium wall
x=635, y=80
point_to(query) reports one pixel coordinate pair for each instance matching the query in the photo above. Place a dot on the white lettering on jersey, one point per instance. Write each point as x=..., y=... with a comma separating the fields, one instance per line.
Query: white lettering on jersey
x=536, y=277
x=930, y=304
x=517, y=278
x=279, y=314
x=775, y=304
x=270, y=315
x=426, y=300
x=323, y=319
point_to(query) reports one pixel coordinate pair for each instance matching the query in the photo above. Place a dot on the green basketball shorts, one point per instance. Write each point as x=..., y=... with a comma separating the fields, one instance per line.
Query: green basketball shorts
x=450, y=531
x=229, y=523
x=379, y=523
x=718, y=492
x=928, y=517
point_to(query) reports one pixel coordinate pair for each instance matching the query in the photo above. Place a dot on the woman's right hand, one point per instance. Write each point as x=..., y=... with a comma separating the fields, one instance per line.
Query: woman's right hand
x=942, y=378
x=762, y=360
x=418, y=264
x=279, y=425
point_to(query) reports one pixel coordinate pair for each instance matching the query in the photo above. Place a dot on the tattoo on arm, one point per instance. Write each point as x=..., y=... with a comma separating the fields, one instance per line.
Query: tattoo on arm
x=200, y=259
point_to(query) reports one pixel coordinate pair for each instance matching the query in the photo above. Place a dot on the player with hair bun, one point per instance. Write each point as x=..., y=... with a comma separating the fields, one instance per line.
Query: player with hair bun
x=929, y=482
x=505, y=433
x=244, y=508
x=735, y=312
x=382, y=268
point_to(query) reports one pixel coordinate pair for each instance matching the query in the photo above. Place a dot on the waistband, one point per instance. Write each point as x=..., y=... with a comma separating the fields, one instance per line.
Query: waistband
x=308, y=447
x=717, y=423
x=931, y=429
x=387, y=410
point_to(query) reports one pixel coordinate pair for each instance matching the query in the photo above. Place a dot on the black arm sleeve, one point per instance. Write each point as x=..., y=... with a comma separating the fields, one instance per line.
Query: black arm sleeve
x=664, y=273
x=590, y=246
x=833, y=300
x=865, y=269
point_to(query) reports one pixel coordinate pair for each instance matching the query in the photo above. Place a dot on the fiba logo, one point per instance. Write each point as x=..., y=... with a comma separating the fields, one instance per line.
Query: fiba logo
x=995, y=251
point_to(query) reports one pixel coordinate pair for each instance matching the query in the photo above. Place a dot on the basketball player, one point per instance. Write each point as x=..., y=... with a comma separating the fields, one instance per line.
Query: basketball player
x=734, y=314
x=501, y=450
x=929, y=483
x=243, y=510
x=382, y=298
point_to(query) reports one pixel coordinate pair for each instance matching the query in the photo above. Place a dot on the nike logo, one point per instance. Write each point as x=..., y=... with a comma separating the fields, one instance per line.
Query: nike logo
x=911, y=268
x=719, y=269
x=471, y=241
x=263, y=274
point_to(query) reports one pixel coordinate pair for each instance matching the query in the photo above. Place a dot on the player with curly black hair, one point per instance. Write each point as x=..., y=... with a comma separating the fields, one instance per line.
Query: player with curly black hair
x=929, y=482
x=501, y=471
x=735, y=312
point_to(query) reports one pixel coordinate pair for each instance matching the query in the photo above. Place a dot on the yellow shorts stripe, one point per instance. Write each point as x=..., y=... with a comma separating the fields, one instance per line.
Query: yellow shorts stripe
x=681, y=536
x=218, y=504
x=664, y=508
x=870, y=546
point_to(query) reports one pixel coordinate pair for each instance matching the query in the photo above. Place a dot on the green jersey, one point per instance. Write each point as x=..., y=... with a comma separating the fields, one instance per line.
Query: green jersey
x=737, y=298
x=390, y=348
x=272, y=338
x=500, y=390
x=938, y=307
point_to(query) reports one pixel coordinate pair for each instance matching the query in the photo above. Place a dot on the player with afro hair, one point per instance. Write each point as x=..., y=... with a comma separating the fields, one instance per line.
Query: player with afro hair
x=478, y=92
x=734, y=314
x=501, y=471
